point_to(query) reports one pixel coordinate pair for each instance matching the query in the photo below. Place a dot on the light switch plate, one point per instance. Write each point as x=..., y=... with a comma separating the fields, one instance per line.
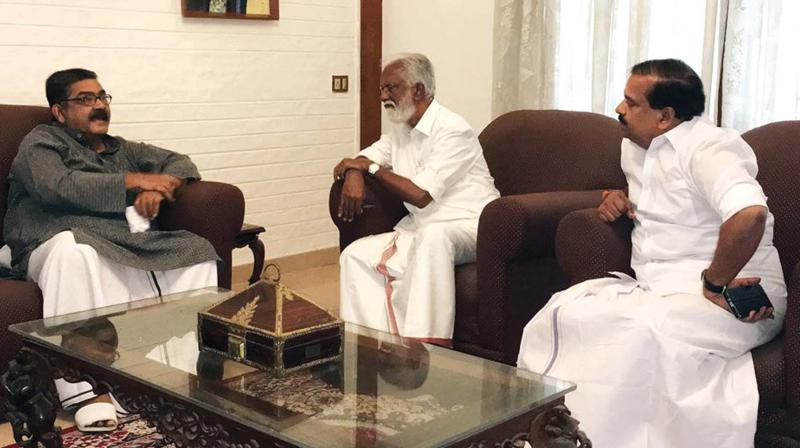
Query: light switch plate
x=339, y=83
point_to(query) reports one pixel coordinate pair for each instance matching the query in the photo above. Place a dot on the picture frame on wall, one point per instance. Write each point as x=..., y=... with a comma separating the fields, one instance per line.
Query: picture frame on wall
x=231, y=9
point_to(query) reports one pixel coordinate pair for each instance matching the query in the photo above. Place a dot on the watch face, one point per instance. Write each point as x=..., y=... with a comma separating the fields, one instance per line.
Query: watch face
x=373, y=168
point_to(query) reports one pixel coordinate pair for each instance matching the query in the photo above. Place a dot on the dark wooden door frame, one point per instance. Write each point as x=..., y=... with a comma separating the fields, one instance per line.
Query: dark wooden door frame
x=371, y=53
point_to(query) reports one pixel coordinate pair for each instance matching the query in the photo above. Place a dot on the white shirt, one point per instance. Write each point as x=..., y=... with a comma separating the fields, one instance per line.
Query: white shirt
x=442, y=156
x=683, y=187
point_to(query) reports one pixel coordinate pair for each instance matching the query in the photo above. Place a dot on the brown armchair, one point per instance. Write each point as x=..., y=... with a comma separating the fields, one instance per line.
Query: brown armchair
x=545, y=164
x=212, y=210
x=588, y=248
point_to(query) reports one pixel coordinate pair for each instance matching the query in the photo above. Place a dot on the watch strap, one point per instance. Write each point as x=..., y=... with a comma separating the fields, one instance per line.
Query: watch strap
x=716, y=289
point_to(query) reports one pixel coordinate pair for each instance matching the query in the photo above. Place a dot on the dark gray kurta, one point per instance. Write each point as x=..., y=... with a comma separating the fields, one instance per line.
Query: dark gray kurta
x=58, y=183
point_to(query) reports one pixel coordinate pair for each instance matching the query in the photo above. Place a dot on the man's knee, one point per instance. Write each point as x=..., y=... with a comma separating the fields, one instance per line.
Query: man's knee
x=63, y=248
x=366, y=250
x=65, y=238
x=455, y=241
x=353, y=255
x=436, y=236
x=348, y=254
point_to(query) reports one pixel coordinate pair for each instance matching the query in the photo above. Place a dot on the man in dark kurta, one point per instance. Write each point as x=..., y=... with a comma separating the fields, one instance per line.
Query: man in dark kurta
x=57, y=183
x=80, y=200
x=71, y=177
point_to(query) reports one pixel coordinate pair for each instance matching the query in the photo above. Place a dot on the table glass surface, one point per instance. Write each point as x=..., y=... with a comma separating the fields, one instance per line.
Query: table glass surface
x=383, y=392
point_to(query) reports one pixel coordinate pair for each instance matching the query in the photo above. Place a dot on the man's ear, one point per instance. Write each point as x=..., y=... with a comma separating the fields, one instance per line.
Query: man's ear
x=666, y=118
x=58, y=112
x=419, y=91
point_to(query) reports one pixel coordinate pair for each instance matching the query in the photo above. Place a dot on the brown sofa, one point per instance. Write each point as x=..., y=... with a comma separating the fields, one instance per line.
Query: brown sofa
x=210, y=209
x=545, y=164
x=587, y=248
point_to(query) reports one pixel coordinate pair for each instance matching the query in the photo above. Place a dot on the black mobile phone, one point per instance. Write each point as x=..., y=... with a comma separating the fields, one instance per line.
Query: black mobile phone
x=746, y=298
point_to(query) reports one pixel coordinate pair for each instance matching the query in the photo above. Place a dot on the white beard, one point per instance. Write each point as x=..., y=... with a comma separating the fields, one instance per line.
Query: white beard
x=400, y=113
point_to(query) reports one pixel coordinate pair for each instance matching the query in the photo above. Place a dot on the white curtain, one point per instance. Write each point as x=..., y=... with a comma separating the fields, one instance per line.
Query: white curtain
x=576, y=54
x=761, y=69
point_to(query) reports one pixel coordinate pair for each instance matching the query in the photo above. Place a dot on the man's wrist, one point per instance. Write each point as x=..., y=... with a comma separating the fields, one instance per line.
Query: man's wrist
x=710, y=285
x=373, y=169
x=181, y=180
x=131, y=194
x=131, y=180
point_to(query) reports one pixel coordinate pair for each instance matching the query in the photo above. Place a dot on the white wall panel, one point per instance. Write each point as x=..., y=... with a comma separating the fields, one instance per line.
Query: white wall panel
x=457, y=36
x=250, y=101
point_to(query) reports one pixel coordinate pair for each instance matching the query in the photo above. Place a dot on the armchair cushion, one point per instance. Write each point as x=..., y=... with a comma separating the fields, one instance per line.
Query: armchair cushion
x=776, y=146
x=791, y=341
x=16, y=122
x=769, y=366
x=530, y=151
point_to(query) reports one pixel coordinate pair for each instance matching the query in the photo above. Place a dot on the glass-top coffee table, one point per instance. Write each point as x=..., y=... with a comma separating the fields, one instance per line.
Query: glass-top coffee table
x=384, y=392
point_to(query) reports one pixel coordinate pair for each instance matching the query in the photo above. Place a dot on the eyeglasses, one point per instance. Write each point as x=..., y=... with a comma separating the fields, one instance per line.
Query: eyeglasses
x=391, y=88
x=89, y=99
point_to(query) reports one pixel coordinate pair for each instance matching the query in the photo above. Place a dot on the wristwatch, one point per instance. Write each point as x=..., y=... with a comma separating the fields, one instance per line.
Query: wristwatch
x=716, y=289
x=373, y=168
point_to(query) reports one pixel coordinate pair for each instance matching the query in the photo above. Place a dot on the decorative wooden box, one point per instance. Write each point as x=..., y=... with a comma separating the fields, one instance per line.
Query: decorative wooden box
x=269, y=326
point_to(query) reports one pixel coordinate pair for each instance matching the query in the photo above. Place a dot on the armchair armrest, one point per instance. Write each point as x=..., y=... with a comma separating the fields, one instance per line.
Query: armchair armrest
x=587, y=247
x=791, y=343
x=382, y=210
x=213, y=210
x=514, y=233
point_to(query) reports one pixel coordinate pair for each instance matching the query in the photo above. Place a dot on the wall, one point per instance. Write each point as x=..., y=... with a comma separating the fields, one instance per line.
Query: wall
x=457, y=36
x=250, y=101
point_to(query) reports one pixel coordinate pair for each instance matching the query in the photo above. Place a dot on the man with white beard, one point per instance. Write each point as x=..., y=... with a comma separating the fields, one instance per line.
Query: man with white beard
x=403, y=282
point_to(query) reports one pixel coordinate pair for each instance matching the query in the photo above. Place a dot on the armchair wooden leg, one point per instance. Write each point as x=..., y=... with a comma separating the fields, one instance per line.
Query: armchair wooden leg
x=248, y=236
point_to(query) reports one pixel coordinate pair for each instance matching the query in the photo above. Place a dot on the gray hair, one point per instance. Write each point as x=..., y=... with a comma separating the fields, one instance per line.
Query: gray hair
x=418, y=69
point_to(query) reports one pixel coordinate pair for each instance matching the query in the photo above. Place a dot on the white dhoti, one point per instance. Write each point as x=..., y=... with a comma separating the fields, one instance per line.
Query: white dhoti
x=403, y=282
x=74, y=277
x=651, y=371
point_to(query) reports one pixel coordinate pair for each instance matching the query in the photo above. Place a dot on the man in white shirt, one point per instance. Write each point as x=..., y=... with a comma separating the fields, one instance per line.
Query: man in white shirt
x=660, y=360
x=403, y=282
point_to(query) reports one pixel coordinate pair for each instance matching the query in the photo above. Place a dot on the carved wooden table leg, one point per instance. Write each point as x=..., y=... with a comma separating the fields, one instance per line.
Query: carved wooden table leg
x=32, y=400
x=184, y=425
x=553, y=428
x=556, y=428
